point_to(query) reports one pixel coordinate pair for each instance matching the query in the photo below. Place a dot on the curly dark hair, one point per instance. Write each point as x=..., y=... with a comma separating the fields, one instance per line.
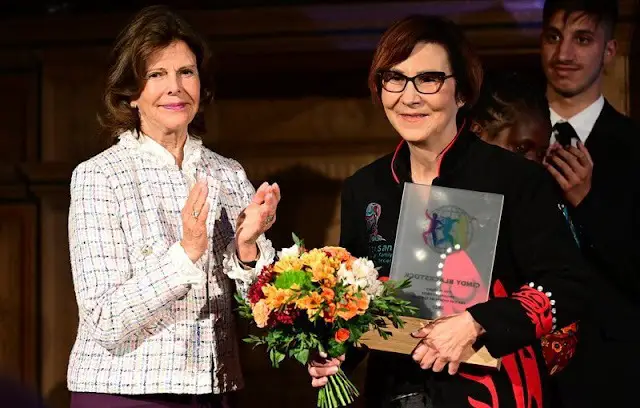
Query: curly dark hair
x=153, y=28
x=507, y=97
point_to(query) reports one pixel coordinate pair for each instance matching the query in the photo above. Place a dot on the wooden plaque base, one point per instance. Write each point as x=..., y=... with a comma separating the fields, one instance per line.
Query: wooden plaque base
x=401, y=342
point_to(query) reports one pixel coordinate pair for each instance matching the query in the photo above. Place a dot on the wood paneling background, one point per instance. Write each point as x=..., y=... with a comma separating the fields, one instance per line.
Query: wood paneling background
x=292, y=106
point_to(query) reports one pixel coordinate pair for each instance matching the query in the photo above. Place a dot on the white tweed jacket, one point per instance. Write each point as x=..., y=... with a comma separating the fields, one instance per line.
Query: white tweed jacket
x=150, y=320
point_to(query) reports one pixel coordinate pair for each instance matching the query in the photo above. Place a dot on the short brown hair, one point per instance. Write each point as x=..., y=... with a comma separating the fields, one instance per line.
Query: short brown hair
x=398, y=42
x=603, y=12
x=153, y=28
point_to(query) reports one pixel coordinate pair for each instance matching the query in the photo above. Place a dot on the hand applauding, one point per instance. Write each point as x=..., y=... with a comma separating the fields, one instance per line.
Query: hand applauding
x=256, y=219
x=572, y=167
x=194, y=221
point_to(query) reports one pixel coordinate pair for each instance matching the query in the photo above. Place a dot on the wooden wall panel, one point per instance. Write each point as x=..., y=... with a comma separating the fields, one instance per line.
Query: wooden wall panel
x=18, y=324
x=323, y=120
x=58, y=304
x=616, y=84
x=70, y=102
x=18, y=115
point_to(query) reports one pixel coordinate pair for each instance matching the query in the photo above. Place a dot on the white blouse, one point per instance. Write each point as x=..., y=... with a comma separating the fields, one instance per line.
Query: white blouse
x=150, y=320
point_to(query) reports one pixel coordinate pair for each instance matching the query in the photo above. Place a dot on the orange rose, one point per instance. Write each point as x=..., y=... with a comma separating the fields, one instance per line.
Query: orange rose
x=342, y=335
x=383, y=278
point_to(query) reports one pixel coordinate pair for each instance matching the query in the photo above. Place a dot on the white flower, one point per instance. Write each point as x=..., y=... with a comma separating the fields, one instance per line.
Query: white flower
x=362, y=273
x=293, y=251
x=374, y=287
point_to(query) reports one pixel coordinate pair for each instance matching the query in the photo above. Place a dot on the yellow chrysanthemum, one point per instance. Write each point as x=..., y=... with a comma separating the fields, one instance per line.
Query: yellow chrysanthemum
x=288, y=263
x=322, y=268
x=313, y=257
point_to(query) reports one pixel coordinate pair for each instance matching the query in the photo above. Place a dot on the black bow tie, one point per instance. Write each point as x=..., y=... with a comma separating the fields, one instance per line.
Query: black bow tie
x=564, y=132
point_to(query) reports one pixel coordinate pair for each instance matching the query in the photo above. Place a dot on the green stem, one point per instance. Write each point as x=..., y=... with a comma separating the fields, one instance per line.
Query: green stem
x=321, y=398
x=350, y=386
x=332, y=397
x=343, y=388
x=338, y=392
x=336, y=389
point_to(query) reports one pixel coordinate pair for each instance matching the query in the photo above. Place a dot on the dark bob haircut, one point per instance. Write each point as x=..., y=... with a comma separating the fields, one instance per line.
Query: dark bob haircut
x=398, y=42
x=152, y=29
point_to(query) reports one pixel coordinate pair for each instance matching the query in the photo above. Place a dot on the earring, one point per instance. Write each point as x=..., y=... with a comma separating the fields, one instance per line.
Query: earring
x=133, y=105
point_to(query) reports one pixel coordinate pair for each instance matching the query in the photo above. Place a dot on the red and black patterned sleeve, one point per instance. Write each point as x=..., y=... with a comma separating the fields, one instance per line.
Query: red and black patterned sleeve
x=554, y=279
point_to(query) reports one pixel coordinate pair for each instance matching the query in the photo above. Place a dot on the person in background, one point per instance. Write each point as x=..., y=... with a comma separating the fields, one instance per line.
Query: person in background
x=593, y=158
x=158, y=224
x=426, y=78
x=514, y=115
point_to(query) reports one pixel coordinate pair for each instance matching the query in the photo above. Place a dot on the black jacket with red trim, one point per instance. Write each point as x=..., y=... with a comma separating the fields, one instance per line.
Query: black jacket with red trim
x=540, y=280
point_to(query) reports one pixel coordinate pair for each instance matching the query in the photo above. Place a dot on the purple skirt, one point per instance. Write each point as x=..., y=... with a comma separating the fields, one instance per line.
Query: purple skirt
x=94, y=400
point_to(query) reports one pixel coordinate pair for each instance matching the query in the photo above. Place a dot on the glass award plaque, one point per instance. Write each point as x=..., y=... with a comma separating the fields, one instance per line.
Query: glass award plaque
x=445, y=244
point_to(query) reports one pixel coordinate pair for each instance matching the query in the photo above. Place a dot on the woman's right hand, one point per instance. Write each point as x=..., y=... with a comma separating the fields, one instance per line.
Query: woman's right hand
x=194, y=221
x=320, y=368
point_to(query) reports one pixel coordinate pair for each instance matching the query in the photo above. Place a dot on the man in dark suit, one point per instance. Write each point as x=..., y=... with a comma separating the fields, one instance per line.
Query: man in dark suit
x=593, y=162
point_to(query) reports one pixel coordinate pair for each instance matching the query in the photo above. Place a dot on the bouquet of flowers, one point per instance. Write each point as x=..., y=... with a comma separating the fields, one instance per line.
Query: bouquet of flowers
x=321, y=301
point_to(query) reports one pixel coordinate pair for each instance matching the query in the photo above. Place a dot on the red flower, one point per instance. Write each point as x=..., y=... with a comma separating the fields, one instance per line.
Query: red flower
x=286, y=316
x=383, y=278
x=342, y=335
x=255, y=291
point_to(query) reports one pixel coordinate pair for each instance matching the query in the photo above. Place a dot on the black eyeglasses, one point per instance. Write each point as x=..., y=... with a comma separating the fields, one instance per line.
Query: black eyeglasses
x=425, y=82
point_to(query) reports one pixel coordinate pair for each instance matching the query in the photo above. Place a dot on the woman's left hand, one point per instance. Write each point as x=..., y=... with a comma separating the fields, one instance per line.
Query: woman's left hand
x=444, y=340
x=257, y=218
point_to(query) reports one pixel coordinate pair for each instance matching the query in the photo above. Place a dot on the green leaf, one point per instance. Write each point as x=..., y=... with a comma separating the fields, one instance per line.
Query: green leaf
x=299, y=242
x=336, y=349
x=302, y=356
x=254, y=339
x=276, y=357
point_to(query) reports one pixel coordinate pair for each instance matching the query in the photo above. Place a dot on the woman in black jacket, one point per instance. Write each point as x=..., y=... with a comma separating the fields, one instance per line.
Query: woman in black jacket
x=426, y=77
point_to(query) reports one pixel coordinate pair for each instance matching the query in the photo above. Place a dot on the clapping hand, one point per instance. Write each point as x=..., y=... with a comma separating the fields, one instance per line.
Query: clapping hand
x=256, y=219
x=572, y=167
x=194, y=221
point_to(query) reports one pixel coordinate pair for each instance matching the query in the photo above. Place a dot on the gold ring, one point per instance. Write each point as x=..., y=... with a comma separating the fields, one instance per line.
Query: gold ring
x=269, y=219
x=195, y=213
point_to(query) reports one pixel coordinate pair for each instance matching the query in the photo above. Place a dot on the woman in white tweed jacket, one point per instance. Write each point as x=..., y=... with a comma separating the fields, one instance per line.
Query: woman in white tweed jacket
x=158, y=225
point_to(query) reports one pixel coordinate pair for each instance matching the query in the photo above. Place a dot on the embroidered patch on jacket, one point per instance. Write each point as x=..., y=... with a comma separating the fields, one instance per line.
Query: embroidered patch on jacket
x=372, y=216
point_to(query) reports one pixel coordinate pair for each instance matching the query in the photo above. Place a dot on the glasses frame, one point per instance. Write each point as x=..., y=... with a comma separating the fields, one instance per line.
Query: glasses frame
x=441, y=76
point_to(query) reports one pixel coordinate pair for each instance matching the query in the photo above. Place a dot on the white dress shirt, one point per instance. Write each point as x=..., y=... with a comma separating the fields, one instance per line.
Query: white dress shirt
x=582, y=122
x=150, y=320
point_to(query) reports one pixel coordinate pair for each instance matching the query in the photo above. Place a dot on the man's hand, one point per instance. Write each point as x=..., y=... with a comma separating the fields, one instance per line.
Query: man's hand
x=572, y=168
